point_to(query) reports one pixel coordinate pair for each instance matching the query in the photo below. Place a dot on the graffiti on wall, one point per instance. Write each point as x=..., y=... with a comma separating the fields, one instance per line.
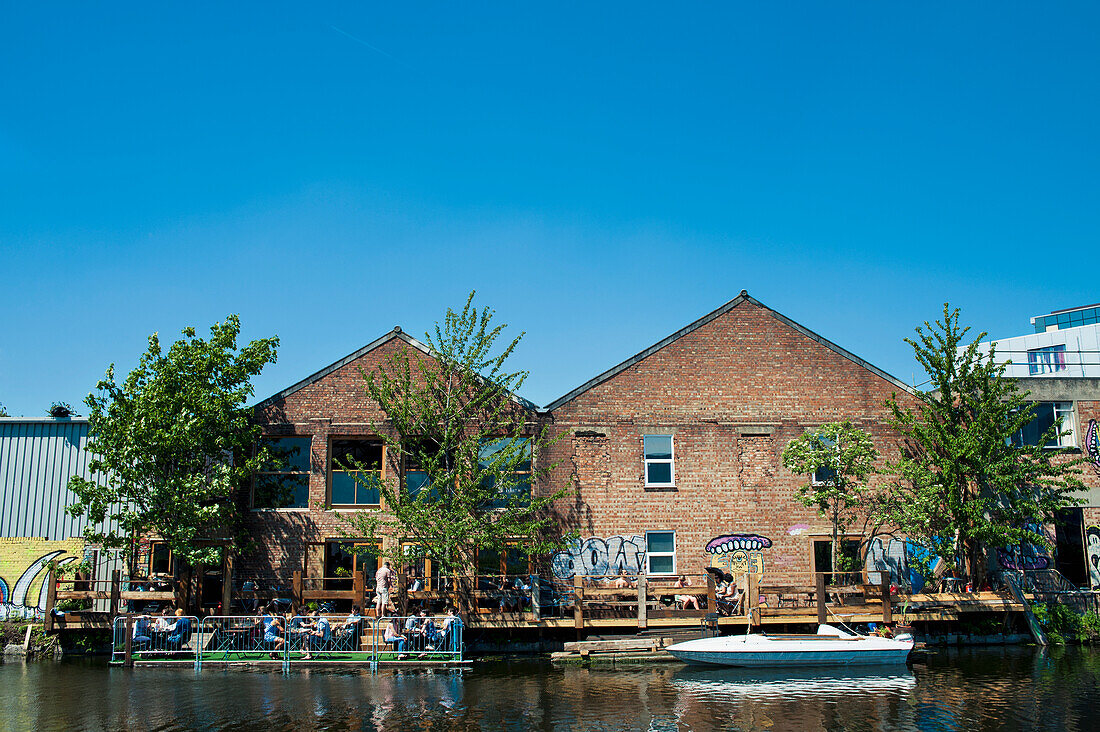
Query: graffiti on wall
x=1092, y=552
x=25, y=574
x=1029, y=557
x=1092, y=445
x=596, y=556
x=891, y=559
x=738, y=554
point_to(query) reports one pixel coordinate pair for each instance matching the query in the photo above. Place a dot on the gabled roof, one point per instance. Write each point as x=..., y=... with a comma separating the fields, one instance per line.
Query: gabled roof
x=396, y=333
x=312, y=378
x=743, y=297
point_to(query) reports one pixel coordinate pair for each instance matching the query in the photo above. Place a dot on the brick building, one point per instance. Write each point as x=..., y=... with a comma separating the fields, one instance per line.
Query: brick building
x=674, y=455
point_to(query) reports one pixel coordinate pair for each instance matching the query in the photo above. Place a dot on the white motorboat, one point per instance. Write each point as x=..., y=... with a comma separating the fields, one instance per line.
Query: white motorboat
x=830, y=647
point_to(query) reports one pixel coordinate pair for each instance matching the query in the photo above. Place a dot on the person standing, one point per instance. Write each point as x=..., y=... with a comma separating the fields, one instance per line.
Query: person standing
x=383, y=582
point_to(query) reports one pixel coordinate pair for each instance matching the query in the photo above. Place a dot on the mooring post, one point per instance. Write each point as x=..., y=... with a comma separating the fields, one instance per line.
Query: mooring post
x=296, y=589
x=822, y=616
x=887, y=609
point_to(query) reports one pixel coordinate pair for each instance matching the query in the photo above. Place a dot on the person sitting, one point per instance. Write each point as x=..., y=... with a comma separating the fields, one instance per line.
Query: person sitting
x=446, y=638
x=142, y=633
x=179, y=632
x=274, y=634
x=317, y=634
x=394, y=638
x=685, y=601
x=728, y=598
x=623, y=582
x=414, y=631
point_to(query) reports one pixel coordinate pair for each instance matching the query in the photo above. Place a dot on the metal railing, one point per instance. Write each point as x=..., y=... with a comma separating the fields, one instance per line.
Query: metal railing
x=155, y=636
x=286, y=639
x=418, y=637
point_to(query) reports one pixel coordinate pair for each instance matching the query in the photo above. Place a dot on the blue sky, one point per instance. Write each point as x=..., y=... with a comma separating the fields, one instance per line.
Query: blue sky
x=601, y=173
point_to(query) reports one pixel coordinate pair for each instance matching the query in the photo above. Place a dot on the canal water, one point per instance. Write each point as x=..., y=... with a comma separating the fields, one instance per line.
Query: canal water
x=980, y=689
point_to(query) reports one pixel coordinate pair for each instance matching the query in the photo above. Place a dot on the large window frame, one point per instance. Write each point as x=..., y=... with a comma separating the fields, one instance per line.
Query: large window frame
x=650, y=555
x=521, y=476
x=1058, y=410
x=1046, y=360
x=290, y=471
x=336, y=471
x=651, y=447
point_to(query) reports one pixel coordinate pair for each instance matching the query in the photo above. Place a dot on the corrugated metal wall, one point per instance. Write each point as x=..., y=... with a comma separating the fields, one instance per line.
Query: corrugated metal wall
x=37, y=458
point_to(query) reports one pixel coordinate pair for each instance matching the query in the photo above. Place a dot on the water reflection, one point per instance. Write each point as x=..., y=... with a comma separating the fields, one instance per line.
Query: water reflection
x=981, y=689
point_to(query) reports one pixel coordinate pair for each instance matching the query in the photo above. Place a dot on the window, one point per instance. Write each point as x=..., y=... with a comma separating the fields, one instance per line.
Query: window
x=517, y=485
x=660, y=555
x=823, y=555
x=514, y=562
x=422, y=573
x=350, y=485
x=825, y=474
x=1046, y=360
x=283, y=480
x=416, y=474
x=658, y=460
x=343, y=559
x=1045, y=415
x=160, y=558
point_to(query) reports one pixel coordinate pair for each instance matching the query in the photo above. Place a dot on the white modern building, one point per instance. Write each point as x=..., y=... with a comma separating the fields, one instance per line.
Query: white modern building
x=1065, y=343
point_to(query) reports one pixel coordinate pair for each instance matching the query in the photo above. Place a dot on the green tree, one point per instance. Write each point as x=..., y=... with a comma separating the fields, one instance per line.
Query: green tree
x=171, y=443
x=964, y=483
x=464, y=447
x=839, y=457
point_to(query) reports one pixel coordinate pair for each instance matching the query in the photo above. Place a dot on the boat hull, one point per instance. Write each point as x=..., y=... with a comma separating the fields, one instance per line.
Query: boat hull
x=756, y=651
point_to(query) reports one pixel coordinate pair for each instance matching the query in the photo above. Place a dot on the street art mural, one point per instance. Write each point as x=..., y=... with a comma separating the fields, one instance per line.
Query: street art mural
x=1026, y=557
x=738, y=554
x=1092, y=445
x=25, y=574
x=891, y=559
x=1092, y=552
x=599, y=556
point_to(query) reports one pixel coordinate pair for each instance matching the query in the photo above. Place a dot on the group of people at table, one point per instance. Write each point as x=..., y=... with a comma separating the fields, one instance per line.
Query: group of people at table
x=164, y=631
x=727, y=593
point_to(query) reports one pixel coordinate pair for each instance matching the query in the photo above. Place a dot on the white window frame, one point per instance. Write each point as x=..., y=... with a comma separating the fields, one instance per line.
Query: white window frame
x=671, y=462
x=649, y=555
x=1069, y=424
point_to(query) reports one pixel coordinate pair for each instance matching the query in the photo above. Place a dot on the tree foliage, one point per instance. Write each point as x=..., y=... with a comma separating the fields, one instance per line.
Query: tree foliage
x=962, y=484
x=843, y=457
x=463, y=448
x=172, y=442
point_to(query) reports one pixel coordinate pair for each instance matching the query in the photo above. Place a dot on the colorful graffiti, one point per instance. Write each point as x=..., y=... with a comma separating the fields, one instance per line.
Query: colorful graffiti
x=1092, y=552
x=738, y=554
x=598, y=556
x=1092, y=445
x=1030, y=557
x=27, y=562
x=891, y=560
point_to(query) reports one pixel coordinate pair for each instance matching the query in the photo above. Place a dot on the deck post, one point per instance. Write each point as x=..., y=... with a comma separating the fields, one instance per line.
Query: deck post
x=578, y=602
x=536, y=597
x=822, y=616
x=227, y=584
x=296, y=589
x=51, y=599
x=643, y=621
x=712, y=594
x=752, y=603
x=887, y=609
x=128, y=658
x=116, y=591
x=359, y=588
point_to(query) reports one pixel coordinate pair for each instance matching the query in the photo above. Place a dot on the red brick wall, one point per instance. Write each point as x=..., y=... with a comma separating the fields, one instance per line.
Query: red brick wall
x=733, y=393
x=335, y=405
